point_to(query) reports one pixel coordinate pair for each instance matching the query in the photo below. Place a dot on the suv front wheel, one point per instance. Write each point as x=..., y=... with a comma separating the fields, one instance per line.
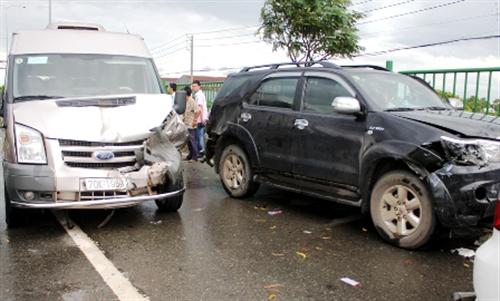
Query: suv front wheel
x=236, y=173
x=401, y=210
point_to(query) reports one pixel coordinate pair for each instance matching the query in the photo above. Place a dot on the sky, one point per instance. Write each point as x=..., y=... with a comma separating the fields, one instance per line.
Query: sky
x=224, y=31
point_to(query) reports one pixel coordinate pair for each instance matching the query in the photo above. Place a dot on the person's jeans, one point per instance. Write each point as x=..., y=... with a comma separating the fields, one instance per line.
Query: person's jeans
x=193, y=147
x=200, y=137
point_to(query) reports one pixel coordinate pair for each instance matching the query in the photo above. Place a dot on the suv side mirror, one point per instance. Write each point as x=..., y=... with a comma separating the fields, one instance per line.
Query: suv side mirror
x=346, y=105
x=180, y=102
x=458, y=104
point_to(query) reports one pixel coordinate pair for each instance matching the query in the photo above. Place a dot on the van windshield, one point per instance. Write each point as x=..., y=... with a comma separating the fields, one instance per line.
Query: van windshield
x=81, y=75
x=396, y=92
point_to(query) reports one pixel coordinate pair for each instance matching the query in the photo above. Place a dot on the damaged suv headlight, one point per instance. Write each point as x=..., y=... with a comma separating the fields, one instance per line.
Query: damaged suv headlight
x=29, y=145
x=471, y=151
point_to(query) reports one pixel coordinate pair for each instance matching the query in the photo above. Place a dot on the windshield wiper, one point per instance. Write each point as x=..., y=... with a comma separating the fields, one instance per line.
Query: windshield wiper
x=35, y=97
x=401, y=109
x=435, y=108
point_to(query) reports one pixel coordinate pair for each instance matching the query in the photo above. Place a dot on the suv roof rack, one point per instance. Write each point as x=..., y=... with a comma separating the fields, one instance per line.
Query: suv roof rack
x=375, y=67
x=324, y=64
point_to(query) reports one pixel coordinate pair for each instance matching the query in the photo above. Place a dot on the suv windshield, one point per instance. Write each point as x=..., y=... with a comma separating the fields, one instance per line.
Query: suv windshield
x=394, y=92
x=81, y=75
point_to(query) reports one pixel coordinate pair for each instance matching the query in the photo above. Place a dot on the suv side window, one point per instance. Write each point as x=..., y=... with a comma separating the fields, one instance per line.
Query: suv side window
x=275, y=92
x=320, y=93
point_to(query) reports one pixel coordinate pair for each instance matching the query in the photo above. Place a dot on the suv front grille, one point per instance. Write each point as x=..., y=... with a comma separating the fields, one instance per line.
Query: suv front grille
x=101, y=195
x=80, y=154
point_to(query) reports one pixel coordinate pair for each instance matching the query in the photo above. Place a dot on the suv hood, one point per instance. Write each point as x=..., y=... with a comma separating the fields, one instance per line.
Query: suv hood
x=468, y=124
x=120, y=118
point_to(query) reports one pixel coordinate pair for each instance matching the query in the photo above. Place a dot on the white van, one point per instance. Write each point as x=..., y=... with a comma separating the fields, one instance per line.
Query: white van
x=87, y=123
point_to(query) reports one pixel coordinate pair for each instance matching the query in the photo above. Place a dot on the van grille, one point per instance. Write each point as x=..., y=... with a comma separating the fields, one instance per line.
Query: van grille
x=101, y=195
x=80, y=154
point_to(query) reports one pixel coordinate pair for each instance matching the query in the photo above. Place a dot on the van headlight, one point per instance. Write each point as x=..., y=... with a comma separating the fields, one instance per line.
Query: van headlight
x=471, y=151
x=29, y=145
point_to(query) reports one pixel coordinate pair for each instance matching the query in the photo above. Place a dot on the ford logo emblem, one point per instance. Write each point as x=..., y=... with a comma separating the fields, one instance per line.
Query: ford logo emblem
x=104, y=155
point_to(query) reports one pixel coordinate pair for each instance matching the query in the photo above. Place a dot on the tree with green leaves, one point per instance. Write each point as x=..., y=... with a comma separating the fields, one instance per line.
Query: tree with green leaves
x=311, y=30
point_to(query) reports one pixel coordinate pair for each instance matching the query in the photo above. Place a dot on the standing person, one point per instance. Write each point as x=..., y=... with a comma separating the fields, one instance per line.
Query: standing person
x=190, y=119
x=172, y=88
x=200, y=99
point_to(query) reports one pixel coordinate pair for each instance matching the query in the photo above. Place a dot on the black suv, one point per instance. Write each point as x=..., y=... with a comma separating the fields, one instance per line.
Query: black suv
x=357, y=135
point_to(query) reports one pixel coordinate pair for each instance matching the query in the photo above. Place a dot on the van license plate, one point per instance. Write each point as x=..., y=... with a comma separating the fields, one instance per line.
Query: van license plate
x=93, y=184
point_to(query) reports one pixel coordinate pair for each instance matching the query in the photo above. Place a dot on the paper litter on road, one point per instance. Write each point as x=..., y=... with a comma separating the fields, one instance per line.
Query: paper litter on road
x=274, y=212
x=350, y=281
x=155, y=223
x=467, y=253
x=303, y=255
x=307, y=232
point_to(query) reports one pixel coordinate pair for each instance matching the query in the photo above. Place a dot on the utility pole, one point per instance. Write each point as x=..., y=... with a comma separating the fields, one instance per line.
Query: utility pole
x=50, y=11
x=192, y=56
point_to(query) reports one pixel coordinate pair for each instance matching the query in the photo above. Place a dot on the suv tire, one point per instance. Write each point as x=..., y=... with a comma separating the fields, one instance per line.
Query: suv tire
x=401, y=210
x=236, y=173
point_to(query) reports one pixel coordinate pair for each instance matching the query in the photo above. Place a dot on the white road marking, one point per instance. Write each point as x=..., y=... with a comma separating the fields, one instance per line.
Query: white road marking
x=120, y=285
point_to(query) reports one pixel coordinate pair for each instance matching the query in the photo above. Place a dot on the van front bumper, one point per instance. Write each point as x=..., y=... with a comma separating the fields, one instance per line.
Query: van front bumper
x=41, y=180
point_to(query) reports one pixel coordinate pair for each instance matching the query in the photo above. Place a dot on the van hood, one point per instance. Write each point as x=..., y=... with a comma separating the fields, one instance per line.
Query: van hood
x=115, y=118
x=472, y=125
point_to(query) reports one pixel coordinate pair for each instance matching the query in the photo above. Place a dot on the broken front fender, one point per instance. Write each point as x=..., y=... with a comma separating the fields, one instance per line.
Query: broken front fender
x=464, y=195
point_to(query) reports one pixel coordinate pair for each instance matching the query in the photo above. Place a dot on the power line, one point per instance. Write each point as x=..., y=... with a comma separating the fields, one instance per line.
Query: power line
x=375, y=53
x=230, y=44
x=227, y=37
x=413, y=12
x=387, y=6
x=361, y=2
x=158, y=56
x=166, y=43
x=159, y=50
x=225, y=30
x=435, y=23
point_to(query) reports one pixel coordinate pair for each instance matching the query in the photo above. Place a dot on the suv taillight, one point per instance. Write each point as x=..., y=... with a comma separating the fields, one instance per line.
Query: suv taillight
x=496, y=223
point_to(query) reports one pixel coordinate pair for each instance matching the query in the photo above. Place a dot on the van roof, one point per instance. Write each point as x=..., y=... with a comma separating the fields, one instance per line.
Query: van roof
x=76, y=41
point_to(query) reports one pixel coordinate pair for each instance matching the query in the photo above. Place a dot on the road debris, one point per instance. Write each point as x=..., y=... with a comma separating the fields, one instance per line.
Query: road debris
x=326, y=237
x=364, y=229
x=350, y=281
x=273, y=227
x=277, y=254
x=319, y=248
x=306, y=232
x=274, y=286
x=303, y=255
x=466, y=265
x=274, y=212
x=155, y=223
x=408, y=261
x=272, y=297
x=260, y=207
x=467, y=253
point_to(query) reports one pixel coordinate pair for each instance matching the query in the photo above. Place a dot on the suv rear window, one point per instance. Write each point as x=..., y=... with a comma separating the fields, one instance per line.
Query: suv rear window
x=275, y=92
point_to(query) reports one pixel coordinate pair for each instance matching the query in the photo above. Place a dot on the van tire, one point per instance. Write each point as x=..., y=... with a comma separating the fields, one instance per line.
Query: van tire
x=402, y=211
x=236, y=173
x=170, y=204
x=14, y=217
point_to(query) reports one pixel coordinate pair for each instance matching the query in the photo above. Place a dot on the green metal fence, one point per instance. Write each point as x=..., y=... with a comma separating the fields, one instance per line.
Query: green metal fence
x=472, y=85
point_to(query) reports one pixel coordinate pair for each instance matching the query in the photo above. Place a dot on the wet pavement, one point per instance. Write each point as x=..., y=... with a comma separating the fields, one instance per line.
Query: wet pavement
x=218, y=248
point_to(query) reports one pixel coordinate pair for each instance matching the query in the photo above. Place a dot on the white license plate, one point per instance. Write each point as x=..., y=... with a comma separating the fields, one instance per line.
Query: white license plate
x=102, y=184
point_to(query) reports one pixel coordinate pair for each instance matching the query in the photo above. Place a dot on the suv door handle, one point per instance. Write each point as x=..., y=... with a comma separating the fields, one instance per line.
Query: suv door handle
x=245, y=116
x=301, y=123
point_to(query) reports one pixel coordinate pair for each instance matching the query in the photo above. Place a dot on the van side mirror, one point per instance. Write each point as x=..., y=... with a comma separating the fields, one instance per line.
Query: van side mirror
x=346, y=105
x=457, y=103
x=180, y=102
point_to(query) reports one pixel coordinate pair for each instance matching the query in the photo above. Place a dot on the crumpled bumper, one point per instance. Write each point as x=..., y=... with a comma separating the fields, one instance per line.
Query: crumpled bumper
x=464, y=195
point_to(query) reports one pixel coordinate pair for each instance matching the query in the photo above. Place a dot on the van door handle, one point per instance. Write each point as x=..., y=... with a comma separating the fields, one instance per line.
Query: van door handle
x=301, y=123
x=245, y=116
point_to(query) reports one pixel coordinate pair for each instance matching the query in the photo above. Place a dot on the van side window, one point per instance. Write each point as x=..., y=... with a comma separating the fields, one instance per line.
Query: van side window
x=320, y=93
x=275, y=92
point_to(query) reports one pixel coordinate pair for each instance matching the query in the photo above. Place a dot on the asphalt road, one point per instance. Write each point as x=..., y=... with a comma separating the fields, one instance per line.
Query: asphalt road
x=218, y=248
